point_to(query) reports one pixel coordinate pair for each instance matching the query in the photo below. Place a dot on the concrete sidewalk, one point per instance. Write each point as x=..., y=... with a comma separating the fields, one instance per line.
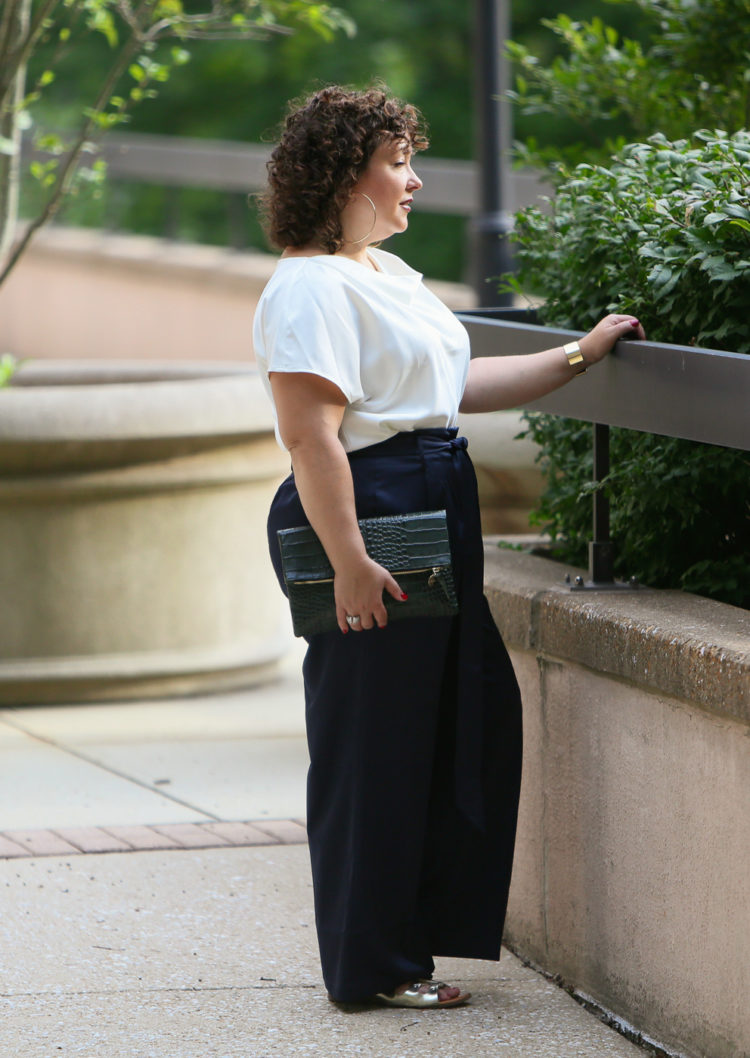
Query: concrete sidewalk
x=194, y=936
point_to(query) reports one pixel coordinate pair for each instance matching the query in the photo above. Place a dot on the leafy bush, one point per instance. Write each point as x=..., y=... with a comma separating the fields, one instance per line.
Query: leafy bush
x=663, y=232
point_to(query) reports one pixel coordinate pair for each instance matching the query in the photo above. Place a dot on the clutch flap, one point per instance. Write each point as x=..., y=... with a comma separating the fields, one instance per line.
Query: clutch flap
x=400, y=542
x=408, y=541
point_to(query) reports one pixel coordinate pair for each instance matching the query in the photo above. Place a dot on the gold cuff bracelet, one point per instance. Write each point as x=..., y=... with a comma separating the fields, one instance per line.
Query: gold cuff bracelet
x=575, y=357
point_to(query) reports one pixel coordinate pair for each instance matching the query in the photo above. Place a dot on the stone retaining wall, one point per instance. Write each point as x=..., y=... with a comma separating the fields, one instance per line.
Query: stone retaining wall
x=633, y=856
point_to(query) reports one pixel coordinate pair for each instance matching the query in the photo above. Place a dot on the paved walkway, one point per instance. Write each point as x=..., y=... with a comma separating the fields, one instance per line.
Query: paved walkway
x=155, y=900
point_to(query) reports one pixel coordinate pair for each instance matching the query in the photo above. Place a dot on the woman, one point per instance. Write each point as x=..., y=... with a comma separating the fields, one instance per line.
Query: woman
x=413, y=728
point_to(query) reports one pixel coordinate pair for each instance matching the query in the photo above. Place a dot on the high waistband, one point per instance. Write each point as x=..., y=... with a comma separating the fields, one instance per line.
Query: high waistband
x=414, y=441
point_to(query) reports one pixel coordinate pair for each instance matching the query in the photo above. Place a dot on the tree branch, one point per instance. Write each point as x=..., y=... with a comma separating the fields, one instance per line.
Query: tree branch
x=7, y=15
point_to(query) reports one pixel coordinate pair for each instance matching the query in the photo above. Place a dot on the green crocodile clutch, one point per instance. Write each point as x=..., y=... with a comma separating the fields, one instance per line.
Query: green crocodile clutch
x=413, y=547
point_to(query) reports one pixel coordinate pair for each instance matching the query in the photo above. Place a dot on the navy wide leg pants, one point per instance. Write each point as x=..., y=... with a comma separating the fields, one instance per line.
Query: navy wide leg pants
x=414, y=734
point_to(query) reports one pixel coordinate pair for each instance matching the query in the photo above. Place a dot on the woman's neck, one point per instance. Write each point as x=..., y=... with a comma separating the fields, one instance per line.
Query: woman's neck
x=360, y=255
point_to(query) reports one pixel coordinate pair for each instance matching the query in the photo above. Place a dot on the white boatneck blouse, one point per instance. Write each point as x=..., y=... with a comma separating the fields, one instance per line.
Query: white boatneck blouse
x=399, y=356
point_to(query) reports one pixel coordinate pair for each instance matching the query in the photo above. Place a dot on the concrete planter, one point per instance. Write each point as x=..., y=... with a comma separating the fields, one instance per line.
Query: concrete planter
x=632, y=858
x=132, y=508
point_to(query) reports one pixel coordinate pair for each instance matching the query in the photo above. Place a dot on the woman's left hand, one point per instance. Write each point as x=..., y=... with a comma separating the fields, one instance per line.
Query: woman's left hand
x=598, y=342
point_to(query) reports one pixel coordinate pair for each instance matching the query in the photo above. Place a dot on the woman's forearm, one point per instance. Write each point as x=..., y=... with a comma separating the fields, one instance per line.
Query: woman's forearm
x=499, y=382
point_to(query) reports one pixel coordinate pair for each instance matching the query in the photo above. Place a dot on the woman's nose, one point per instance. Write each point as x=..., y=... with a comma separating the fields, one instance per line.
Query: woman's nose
x=414, y=183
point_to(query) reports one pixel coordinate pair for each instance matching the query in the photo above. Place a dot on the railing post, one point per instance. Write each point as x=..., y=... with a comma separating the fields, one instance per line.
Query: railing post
x=601, y=548
x=490, y=229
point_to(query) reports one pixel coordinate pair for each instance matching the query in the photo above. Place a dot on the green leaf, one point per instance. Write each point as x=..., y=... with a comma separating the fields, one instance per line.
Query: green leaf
x=8, y=367
x=50, y=142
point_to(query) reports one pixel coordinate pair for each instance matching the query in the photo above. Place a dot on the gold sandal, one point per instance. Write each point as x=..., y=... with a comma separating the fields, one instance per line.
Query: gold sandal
x=430, y=999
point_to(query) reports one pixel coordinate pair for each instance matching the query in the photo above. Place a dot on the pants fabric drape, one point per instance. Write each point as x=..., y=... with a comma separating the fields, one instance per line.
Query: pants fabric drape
x=414, y=734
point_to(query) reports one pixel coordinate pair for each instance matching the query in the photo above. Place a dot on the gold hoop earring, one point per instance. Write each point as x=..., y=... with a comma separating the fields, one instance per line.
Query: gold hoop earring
x=374, y=220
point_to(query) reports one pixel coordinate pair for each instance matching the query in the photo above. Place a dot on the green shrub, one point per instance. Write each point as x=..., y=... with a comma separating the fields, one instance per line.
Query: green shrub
x=663, y=232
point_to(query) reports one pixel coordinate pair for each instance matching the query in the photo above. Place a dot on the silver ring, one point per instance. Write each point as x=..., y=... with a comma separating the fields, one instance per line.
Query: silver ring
x=353, y=619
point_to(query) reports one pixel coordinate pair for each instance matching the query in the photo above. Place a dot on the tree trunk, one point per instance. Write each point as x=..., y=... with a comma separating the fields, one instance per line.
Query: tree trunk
x=17, y=24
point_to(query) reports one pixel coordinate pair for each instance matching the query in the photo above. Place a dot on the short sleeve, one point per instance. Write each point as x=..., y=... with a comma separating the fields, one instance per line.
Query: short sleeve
x=307, y=322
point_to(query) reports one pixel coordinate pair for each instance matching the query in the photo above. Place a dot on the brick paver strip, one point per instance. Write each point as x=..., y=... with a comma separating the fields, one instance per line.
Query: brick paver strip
x=142, y=838
x=10, y=850
x=92, y=839
x=42, y=842
x=191, y=835
x=72, y=841
x=241, y=833
x=286, y=830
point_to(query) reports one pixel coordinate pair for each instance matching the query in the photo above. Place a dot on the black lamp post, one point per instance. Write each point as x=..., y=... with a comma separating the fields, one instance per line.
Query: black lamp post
x=490, y=254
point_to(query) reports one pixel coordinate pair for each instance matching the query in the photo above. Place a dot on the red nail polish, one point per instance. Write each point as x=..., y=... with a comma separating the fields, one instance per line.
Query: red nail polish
x=404, y=596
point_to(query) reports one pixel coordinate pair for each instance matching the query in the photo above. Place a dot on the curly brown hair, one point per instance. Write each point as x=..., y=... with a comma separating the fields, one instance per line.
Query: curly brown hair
x=326, y=144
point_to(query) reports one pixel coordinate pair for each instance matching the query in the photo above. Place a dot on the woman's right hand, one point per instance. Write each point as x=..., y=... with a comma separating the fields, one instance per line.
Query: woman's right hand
x=358, y=589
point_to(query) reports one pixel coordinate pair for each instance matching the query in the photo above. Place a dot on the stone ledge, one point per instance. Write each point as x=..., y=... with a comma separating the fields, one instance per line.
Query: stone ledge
x=102, y=404
x=681, y=645
x=151, y=255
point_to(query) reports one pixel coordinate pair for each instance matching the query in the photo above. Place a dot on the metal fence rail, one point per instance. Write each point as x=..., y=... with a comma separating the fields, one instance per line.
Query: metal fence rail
x=676, y=390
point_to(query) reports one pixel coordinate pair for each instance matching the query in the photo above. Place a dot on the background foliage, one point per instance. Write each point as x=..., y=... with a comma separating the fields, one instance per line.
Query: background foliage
x=239, y=90
x=684, y=65
x=41, y=43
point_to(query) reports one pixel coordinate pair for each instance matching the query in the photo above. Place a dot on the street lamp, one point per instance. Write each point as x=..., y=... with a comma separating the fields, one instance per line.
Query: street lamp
x=490, y=254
